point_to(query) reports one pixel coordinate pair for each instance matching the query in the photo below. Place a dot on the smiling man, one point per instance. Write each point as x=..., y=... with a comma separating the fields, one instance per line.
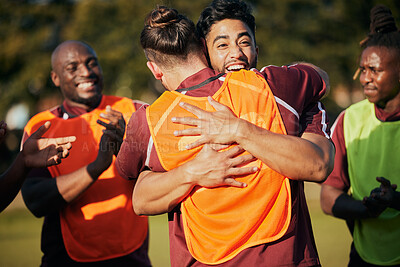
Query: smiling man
x=227, y=28
x=89, y=219
x=305, y=154
x=231, y=46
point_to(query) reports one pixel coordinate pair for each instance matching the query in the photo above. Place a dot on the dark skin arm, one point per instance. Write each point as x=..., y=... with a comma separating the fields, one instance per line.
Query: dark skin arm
x=36, y=152
x=337, y=203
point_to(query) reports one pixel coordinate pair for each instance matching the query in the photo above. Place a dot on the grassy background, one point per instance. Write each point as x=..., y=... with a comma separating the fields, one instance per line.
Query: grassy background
x=20, y=236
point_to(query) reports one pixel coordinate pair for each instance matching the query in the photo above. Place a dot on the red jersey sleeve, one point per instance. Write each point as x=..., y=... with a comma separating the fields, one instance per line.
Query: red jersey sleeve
x=138, y=104
x=339, y=178
x=299, y=88
x=131, y=159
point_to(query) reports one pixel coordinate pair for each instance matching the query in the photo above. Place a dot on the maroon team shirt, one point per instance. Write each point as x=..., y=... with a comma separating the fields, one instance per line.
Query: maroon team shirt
x=297, y=90
x=339, y=178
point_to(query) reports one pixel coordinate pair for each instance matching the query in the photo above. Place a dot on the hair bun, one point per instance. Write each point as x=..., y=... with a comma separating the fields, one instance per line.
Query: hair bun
x=382, y=20
x=162, y=17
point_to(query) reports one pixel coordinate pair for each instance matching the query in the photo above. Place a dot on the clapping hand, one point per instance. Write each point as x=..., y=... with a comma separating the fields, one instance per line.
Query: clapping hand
x=380, y=197
x=115, y=129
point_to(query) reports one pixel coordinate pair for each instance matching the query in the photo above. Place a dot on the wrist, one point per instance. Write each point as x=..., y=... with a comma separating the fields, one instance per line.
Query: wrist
x=21, y=157
x=92, y=171
x=96, y=168
x=345, y=207
x=242, y=132
x=189, y=174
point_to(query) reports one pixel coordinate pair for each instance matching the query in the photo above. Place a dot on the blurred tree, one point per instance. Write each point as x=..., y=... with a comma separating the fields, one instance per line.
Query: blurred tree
x=325, y=33
x=28, y=34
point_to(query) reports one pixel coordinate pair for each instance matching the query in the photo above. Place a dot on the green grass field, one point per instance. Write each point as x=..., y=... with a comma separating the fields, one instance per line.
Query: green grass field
x=20, y=236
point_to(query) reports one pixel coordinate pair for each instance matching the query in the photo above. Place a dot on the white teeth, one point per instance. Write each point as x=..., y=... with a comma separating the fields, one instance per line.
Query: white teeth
x=85, y=85
x=236, y=67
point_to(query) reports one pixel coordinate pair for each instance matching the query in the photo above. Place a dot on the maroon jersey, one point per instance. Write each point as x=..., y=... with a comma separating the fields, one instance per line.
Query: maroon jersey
x=297, y=90
x=339, y=178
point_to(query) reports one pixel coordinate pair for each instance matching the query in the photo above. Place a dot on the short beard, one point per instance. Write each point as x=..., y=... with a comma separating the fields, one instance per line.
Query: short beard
x=91, y=102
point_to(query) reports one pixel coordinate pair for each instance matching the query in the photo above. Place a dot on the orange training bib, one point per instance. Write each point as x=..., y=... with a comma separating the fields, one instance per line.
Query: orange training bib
x=100, y=224
x=221, y=222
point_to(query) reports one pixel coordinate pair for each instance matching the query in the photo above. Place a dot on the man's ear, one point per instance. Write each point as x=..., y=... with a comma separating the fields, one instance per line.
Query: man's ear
x=157, y=73
x=55, y=78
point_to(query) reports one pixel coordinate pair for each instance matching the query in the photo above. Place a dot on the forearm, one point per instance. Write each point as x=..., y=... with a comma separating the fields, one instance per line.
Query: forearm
x=41, y=196
x=348, y=208
x=294, y=157
x=74, y=184
x=157, y=193
x=338, y=204
x=11, y=181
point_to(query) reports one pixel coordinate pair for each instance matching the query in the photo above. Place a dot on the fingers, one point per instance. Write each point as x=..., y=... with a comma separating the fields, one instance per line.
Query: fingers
x=64, y=153
x=242, y=160
x=218, y=106
x=234, y=151
x=115, y=117
x=232, y=182
x=64, y=147
x=193, y=109
x=65, y=140
x=191, y=121
x=56, y=159
x=218, y=147
x=53, y=161
x=102, y=123
x=111, y=114
x=375, y=192
x=188, y=132
x=383, y=181
x=112, y=127
x=197, y=143
x=42, y=129
x=242, y=171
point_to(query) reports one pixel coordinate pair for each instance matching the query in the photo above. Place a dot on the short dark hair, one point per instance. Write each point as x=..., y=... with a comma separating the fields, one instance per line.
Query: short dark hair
x=168, y=33
x=225, y=9
x=383, y=30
